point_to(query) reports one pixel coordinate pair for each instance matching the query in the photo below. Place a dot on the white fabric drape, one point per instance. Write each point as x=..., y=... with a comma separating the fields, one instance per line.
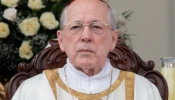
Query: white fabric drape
x=38, y=88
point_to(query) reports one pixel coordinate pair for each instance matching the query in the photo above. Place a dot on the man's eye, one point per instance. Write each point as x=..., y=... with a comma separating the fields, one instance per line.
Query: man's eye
x=75, y=27
x=96, y=27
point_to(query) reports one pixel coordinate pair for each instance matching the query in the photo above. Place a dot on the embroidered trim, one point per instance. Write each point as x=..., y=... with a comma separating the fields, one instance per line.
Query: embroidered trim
x=51, y=79
x=84, y=96
x=129, y=85
x=129, y=77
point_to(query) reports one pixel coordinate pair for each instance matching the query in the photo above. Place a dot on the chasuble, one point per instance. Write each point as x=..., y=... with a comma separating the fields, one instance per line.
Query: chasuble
x=78, y=86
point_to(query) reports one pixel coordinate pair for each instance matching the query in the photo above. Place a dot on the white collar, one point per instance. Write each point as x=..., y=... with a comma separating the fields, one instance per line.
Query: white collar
x=104, y=72
x=79, y=81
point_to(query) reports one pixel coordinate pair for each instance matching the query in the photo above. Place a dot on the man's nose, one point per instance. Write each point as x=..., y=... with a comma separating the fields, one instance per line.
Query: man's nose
x=86, y=34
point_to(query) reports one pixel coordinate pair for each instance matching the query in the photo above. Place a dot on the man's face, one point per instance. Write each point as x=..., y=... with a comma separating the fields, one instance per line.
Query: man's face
x=85, y=48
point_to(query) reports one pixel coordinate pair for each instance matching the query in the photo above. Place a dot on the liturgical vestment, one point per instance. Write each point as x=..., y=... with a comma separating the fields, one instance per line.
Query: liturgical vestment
x=70, y=84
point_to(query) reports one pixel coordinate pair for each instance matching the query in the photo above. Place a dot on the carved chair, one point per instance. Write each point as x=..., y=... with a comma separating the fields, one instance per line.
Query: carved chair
x=121, y=57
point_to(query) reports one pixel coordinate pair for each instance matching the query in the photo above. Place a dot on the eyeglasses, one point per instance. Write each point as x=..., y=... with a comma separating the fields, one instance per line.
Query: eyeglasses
x=77, y=27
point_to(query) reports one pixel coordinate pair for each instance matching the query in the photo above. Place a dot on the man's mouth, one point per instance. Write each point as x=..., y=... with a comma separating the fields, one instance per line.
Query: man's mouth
x=86, y=50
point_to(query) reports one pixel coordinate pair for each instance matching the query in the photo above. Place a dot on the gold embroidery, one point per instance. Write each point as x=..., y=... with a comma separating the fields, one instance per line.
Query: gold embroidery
x=51, y=79
x=129, y=77
x=97, y=96
x=129, y=85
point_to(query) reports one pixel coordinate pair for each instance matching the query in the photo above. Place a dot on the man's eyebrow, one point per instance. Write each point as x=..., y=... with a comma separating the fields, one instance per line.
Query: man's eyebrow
x=77, y=21
x=95, y=20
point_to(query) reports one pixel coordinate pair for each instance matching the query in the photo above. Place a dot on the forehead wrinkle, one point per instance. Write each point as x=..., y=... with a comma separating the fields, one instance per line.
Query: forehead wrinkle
x=74, y=16
x=87, y=7
x=84, y=20
x=79, y=21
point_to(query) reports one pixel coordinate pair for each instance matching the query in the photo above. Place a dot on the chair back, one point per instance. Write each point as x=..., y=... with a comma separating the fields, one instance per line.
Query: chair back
x=121, y=57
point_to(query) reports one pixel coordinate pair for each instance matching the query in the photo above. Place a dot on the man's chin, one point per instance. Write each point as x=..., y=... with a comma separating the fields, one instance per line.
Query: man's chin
x=86, y=64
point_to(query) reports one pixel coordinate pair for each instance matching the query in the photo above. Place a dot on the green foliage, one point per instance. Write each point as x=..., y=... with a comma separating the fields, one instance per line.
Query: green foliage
x=9, y=46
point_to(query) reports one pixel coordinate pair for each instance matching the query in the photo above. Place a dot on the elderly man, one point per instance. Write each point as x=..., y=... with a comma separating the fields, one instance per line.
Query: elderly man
x=87, y=35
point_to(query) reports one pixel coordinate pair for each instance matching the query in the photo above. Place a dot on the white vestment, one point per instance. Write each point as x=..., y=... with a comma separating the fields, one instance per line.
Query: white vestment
x=38, y=87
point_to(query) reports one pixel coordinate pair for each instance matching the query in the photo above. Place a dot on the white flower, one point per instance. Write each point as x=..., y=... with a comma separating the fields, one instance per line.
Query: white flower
x=122, y=19
x=10, y=3
x=48, y=20
x=10, y=14
x=30, y=26
x=4, y=30
x=35, y=4
x=25, y=50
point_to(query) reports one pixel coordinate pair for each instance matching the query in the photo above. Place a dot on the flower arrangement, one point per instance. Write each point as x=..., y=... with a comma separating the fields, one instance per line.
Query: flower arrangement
x=26, y=26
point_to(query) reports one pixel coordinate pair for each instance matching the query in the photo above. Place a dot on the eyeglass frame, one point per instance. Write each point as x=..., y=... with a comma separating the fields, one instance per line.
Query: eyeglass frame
x=86, y=25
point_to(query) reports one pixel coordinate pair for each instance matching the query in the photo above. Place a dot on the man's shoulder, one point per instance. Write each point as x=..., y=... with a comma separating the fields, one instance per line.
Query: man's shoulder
x=143, y=82
x=34, y=81
x=145, y=87
x=33, y=87
x=139, y=78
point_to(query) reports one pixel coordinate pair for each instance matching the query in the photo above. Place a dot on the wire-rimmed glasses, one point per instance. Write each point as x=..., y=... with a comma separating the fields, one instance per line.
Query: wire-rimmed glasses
x=94, y=27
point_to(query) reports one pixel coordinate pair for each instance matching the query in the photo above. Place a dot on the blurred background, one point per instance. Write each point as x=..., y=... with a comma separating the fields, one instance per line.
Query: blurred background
x=147, y=26
x=153, y=23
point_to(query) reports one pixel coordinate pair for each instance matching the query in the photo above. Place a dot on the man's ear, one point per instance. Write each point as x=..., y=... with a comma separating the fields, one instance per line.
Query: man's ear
x=60, y=40
x=114, y=39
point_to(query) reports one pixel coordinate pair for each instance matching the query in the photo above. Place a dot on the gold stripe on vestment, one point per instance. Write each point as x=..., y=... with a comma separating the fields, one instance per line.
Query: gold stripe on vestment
x=96, y=96
x=51, y=79
x=129, y=85
x=53, y=75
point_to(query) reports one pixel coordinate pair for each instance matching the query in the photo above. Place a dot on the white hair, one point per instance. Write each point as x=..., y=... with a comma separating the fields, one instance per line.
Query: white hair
x=111, y=18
